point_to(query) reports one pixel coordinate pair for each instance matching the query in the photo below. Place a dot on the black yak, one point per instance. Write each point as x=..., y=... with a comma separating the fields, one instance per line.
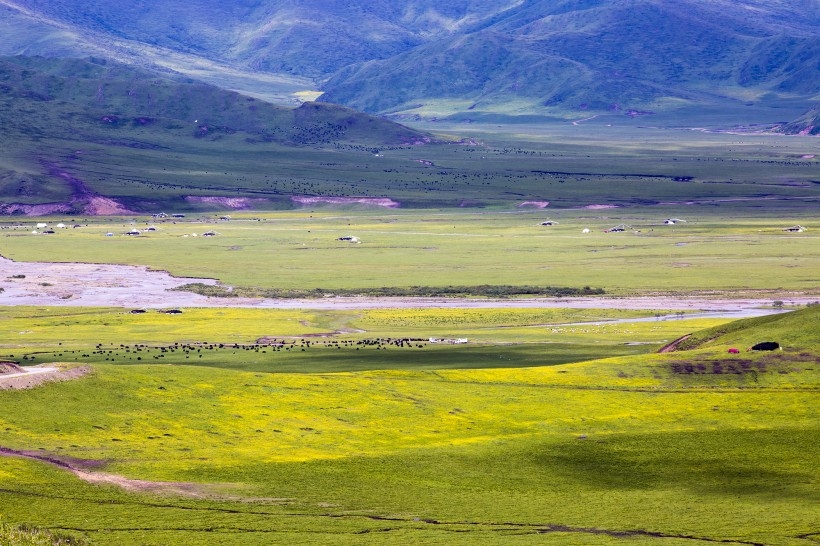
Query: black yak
x=766, y=346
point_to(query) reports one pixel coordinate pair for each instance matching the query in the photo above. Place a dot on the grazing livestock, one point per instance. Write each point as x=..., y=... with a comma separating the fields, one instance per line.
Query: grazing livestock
x=766, y=346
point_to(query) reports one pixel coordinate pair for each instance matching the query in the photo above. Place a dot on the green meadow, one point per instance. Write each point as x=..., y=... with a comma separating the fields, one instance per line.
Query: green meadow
x=548, y=426
x=583, y=436
x=302, y=250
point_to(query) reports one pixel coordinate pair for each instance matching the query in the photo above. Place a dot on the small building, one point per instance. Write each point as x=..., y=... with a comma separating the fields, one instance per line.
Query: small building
x=795, y=229
x=585, y=230
x=617, y=229
x=673, y=221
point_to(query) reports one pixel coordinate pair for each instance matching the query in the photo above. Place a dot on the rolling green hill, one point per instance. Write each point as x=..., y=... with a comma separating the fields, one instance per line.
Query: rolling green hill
x=74, y=130
x=795, y=332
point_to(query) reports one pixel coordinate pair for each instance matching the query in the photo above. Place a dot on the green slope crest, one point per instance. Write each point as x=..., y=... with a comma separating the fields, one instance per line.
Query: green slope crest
x=795, y=331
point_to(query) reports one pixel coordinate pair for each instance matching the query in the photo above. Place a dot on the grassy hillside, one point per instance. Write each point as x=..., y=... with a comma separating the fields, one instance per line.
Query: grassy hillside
x=630, y=448
x=307, y=38
x=77, y=130
x=807, y=124
x=517, y=58
x=616, y=56
x=797, y=332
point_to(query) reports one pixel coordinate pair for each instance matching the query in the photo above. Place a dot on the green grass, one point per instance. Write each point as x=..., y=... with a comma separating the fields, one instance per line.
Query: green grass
x=494, y=452
x=633, y=448
x=286, y=341
x=23, y=535
x=402, y=249
x=796, y=331
x=144, y=145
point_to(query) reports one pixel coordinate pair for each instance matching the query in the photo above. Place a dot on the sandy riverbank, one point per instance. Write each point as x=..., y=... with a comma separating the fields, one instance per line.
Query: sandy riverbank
x=105, y=285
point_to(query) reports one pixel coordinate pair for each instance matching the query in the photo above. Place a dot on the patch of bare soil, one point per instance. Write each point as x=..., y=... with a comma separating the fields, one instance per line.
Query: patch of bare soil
x=9, y=367
x=83, y=470
x=28, y=378
x=385, y=202
x=668, y=348
x=103, y=206
x=236, y=203
x=533, y=204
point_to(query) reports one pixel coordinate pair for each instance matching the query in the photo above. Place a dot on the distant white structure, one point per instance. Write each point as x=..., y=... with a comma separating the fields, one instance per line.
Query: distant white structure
x=457, y=341
x=673, y=221
x=795, y=229
x=61, y=225
x=349, y=239
x=41, y=225
x=585, y=230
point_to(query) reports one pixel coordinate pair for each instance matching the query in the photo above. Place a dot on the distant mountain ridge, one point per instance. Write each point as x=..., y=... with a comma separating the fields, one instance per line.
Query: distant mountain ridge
x=516, y=57
x=602, y=56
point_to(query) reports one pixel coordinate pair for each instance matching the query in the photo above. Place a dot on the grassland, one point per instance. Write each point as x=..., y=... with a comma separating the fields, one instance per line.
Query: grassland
x=165, y=145
x=250, y=426
x=665, y=449
x=301, y=250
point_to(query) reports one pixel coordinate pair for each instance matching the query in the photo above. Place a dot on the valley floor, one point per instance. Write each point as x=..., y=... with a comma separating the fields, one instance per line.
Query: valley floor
x=107, y=285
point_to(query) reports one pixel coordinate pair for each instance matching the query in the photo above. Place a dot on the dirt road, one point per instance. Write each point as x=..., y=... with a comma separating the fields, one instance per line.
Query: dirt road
x=32, y=376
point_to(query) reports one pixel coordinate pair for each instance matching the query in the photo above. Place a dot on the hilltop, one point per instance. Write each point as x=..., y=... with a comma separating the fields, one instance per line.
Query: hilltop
x=795, y=331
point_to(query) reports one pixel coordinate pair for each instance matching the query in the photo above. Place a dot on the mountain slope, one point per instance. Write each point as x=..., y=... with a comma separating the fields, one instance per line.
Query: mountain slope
x=514, y=56
x=112, y=93
x=75, y=131
x=305, y=37
x=807, y=124
x=602, y=55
